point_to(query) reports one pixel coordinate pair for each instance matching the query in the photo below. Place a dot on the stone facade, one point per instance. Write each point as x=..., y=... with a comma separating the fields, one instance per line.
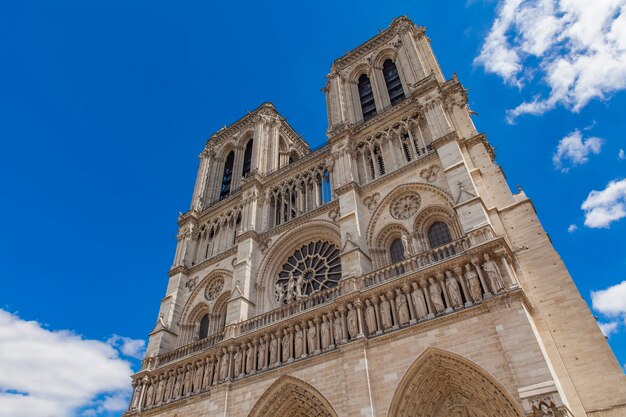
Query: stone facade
x=389, y=273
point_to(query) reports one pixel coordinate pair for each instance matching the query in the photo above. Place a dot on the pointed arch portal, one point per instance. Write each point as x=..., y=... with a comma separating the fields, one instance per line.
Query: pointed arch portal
x=290, y=397
x=442, y=384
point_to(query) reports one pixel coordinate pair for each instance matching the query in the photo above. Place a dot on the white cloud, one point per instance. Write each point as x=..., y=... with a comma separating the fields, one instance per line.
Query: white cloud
x=47, y=373
x=606, y=206
x=611, y=301
x=621, y=155
x=574, y=150
x=608, y=328
x=577, y=47
x=134, y=348
x=572, y=228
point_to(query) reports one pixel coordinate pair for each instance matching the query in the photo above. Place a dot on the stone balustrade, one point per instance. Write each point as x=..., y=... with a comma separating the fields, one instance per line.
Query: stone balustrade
x=361, y=307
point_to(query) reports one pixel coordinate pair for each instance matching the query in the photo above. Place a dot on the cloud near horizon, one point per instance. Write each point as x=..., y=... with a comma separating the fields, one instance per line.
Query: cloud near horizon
x=576, y=48
x=46, y=373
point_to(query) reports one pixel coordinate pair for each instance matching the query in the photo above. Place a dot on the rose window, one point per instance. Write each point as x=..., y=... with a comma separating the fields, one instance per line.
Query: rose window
x=214, y=288
x=313, y=267
x=405, y=206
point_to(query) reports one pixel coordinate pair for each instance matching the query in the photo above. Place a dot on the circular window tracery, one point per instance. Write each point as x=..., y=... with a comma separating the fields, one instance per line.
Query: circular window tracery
x=313, y=267
x=405, y=206
x=214, y=288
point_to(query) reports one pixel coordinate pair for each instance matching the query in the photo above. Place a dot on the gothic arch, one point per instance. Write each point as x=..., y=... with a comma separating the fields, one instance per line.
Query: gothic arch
x=385, y=54
x=419, y=188
x=359, y=70
x=305, y=232
x=431, y=214
x=289, y=396
x=443, y=384
x=196, y=298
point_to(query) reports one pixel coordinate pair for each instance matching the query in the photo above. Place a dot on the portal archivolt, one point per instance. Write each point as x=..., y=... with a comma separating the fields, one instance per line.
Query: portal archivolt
x=291, y=397
x=442, y=384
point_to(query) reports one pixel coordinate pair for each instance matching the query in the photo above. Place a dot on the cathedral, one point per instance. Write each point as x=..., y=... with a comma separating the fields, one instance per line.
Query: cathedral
x=391, y=272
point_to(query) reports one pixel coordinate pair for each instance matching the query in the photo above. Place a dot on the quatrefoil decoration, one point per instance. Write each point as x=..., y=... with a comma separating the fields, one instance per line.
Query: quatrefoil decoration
x=405, y=206
x=214, y=288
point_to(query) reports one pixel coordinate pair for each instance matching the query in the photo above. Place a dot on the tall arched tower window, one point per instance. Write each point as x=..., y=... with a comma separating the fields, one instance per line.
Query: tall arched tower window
x=227, y=177
x=396, y=251
x=392, y=80
x=366, y=96
x=439, y=234
x=204, y=327
x=247, y=159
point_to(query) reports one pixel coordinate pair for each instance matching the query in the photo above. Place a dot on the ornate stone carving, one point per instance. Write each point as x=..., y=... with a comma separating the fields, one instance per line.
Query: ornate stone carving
x=371, y=201
x=435, y=292
x=385, y=313
x=405, y=206
x=370, y=317
x=430, y=173
x=473, y=283
x=454, y=292
x=493, y=274
x=214, y=288
x=403, y=308
x=417, y=296
x=545, y=408
x=325, y=330
x=353, y=327
x=334, y=214
x=311, y=337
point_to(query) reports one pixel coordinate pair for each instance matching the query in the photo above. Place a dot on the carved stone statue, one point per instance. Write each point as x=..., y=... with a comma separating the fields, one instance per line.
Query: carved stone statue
x=403, y=308
x=311, y=337
x=353, y=325
x=434, y=290
x=262, y=354
x=279, y=292
x=337, y=328
x=417, y=296
x=370, y=317
x=197, y=377
x=299, y=341
x=150, y=393
x=136, y=396
x=169, y=386
x=224, y=365
x=286, y=342
x=473, y=283
x=238, y=359
x=493, y=274
x=188, y=380
x=208, y=373
x=454, y=292
x=299, y=286
x=385, y=313
x=250, y=359
x=325, y=330
x=160, y=389
x=273, y=350
x=178, y=385
x=291, y=286
x=406, y=246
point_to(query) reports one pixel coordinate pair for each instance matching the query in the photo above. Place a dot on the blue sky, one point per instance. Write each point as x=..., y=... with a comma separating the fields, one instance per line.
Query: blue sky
x=104, y=107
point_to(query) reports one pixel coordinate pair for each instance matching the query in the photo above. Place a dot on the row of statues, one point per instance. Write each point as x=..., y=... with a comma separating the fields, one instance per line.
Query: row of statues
x=292, y=291
x=395, y=308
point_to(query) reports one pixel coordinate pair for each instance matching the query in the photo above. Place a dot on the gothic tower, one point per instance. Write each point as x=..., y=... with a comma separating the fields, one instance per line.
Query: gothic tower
x=389, y=273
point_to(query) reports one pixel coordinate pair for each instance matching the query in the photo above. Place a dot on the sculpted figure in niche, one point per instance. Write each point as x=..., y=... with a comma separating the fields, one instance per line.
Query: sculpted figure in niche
x=188, y=380
x=406, y=245
x=137, y=396
x=417, y=296
x=273, y=350
x=337, y=328
x=370, y=317
x=299, y=286
x=286, y=346
x=291, y=285
x=493, y=273
x=299, y=341
x=208, y=373
x=250, y=359
x=473, y=283
x=403, y=308
x=325, y=332
x=238, y=359
x=353, y=326
x=178, y=385
x=160, y=388
x=262, y=355
x=169, y=386
x=224, y=365
x=385, y=313
x=435, y=295
x=197, y=379
x=150, y=393
x=311, y=337
x=454, y=291
x=279, y=292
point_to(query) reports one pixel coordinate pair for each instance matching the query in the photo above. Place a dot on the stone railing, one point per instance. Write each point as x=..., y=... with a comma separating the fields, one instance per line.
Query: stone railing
x=358, y=311
x=183, y=351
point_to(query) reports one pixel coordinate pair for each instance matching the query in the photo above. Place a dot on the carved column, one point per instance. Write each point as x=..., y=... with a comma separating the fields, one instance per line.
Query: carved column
x=391, y=297
x=231, y=349
x=458, y=271
x=444, y=288
x=359, y=317
x=429, y=303
x=344, y=335
x=409, y=301
x=476, y=263
x=379, y=323
x=318, y=336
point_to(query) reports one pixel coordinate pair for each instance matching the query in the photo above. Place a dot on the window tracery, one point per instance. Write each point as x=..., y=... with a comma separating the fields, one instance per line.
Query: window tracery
x=214, y=288
x=392, y=81
x=439, y=234
x=405, y=206
x=313, y=267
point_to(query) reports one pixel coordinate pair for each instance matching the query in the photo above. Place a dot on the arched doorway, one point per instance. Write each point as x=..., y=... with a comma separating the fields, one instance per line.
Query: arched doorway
x=442, y=384
x=289, y=397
